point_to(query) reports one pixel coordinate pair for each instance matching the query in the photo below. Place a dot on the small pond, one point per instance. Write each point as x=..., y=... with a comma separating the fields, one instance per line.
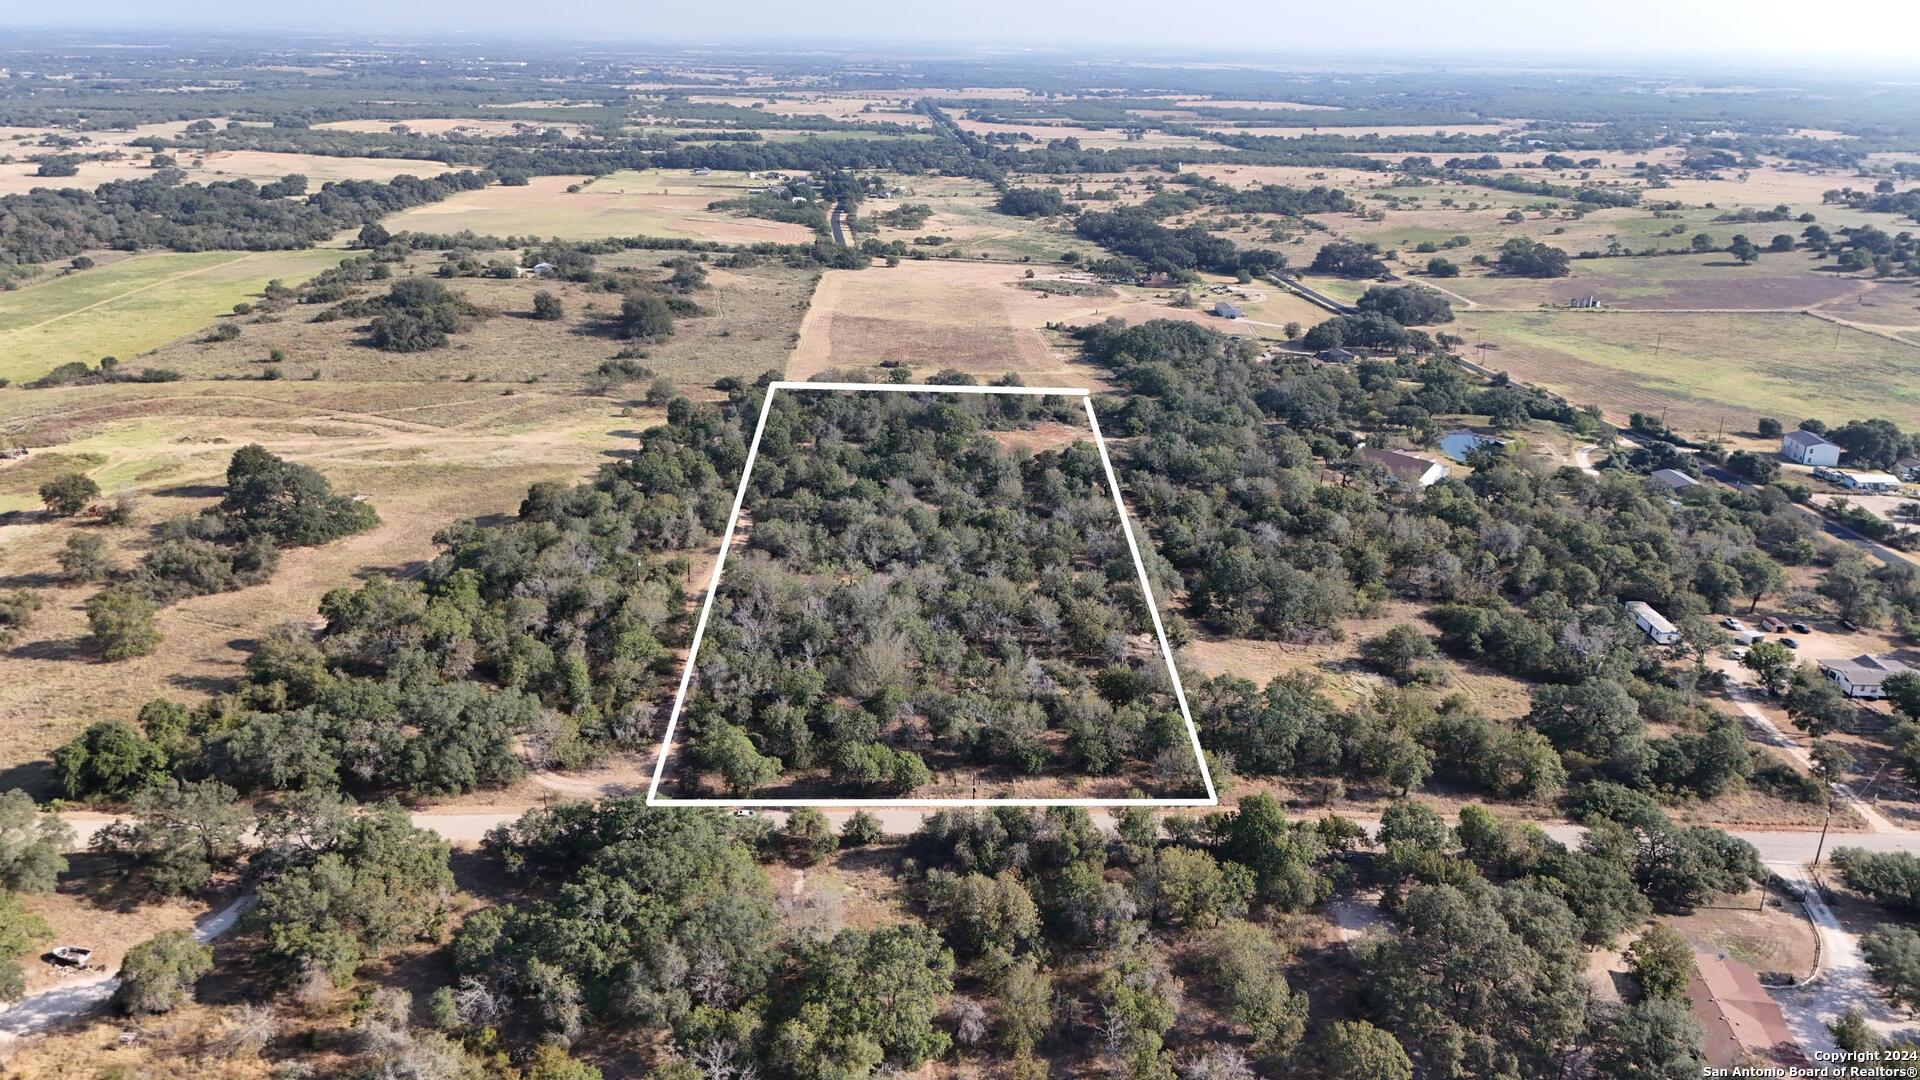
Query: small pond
x=1458, y=444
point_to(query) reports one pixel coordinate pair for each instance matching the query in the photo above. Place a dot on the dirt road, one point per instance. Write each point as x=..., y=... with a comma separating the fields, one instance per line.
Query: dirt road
x=84, y=993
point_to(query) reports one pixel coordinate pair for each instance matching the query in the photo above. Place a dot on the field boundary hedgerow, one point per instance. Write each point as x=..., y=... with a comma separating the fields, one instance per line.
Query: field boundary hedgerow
x=654, y=797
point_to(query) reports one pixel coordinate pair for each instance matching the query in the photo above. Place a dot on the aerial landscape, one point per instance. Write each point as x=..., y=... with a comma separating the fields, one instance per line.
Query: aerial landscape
x=772, y=544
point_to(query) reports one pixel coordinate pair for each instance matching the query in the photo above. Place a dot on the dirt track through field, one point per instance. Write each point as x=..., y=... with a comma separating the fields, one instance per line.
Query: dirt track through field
x=117, y=297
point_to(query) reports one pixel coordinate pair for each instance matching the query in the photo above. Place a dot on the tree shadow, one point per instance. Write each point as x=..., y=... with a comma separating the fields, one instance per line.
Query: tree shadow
x=52, y=649
x=202, y=684
x=33, y=777
x=396, y=572
x=108, y=882
x=881, y=856
x=40, y=580
x=191, y=491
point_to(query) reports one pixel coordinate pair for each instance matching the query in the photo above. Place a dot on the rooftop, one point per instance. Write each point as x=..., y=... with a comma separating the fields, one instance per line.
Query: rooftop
x=1808, y=438
x=1645, y=611
x=1402, y=466
x=1867, y=665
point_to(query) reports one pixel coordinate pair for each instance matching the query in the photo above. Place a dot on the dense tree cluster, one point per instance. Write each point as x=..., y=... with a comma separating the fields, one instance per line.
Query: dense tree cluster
x=545, y=639
x=161, y=212
x=912, y=590
x=1136, y=233
x=416, y=314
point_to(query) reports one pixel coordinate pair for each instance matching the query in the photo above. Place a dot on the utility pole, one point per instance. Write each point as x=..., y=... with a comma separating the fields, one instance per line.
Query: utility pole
x=1821, y=847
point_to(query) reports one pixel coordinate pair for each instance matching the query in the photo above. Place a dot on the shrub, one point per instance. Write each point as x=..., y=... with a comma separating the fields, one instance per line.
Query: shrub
x=120, y=618
x=84, y=558
x=158, y=974
x=860, y=830
x=17, y=607
x=110, y=760
x=68, y=494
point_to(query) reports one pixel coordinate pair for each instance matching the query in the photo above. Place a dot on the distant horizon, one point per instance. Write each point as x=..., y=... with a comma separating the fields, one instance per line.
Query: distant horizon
x=1766, y=35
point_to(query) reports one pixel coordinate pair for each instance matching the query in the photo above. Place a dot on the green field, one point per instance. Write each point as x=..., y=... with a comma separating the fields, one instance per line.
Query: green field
x=125, y=308
x=1703, y=370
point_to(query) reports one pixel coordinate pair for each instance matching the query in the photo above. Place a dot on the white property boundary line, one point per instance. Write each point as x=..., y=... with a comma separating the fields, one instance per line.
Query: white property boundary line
x=1133, y=547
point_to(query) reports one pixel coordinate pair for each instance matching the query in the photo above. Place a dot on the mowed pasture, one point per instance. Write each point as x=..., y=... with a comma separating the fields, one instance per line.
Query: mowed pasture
x=257, y=165
x=971, y=317
x=974, y=229
x=1787, y=281
x=1889, y=304
x=127, y=307
x=545, y=208
x=1703, y=370
x=893, y=107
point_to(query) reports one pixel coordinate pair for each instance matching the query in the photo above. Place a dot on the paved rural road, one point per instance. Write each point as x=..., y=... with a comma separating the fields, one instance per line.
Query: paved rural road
x=84, y=993
x=839, y=235
x=471, y=826
x=1832, y=528
x=1842, y=981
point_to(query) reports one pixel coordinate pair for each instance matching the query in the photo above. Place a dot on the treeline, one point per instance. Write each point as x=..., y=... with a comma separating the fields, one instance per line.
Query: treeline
x=160, y=212
x=546, y=639
x=1021, y=920
x=1136, y=234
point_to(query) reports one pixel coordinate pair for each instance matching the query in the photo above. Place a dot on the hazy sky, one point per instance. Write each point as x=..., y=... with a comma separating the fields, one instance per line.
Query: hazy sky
x=1773, y=30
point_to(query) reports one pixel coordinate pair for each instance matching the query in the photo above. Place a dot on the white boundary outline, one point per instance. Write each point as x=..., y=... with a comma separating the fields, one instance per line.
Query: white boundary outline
x=1133, y=547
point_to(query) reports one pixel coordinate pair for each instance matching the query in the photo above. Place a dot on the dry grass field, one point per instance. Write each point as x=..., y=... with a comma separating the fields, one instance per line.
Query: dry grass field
x=1093, y=138
x=423, y=455
x=425, y=446
x=752, y=317
x=888, y=107
x=544, y=207
x=1296, y=131
x=970, y=317
x=442, y=125
x=976, y=230
x=257, y=165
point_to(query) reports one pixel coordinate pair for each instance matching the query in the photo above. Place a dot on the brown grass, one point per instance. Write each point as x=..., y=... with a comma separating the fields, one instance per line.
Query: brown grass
x=426, y=448
x=968, y=316
x=1778, y=941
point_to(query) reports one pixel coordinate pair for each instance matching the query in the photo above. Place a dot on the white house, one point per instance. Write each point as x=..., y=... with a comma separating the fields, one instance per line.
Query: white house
x=1808, y=448
x=1863, y=676
x=1405, y=468
x=1652, y=623
x=1870, y=481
